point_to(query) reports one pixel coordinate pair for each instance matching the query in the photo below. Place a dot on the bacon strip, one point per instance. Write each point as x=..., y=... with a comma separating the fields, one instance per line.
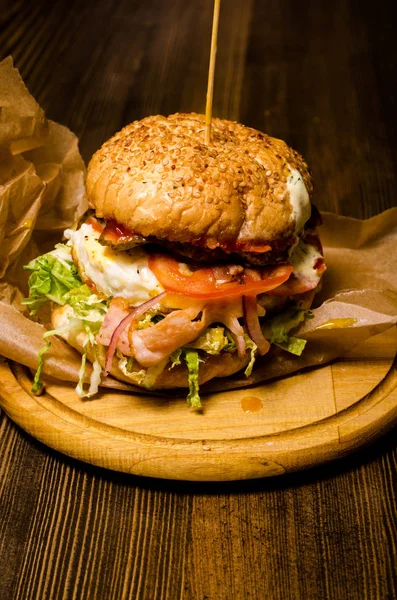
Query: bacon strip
x=126, y=321
x=118, y=309
x=151, y=345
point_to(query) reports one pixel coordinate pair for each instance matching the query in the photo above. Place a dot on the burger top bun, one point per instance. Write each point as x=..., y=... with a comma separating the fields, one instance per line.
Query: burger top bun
x=158, y=178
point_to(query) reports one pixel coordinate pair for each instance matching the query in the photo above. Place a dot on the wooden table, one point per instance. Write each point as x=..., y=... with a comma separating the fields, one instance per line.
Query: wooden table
x=319, y=74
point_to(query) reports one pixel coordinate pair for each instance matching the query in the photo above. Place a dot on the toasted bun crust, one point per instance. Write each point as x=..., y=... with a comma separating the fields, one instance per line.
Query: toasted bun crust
x=221, y=365
x=158, y=178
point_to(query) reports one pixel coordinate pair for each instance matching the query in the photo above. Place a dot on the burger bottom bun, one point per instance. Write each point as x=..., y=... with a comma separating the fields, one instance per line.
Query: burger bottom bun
x=220, y=365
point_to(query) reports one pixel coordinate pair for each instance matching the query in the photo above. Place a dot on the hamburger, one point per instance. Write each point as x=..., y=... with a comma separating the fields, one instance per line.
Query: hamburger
x=192, y=260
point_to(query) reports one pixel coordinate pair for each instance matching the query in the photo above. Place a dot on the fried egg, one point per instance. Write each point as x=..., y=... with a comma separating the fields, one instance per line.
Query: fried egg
x=114, y=273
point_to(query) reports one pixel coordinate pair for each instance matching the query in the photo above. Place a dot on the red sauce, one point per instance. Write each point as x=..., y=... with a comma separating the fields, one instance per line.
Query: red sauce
x=89, y=283
x=251, y=404
x=115, y=232
x=117, y=229
x=95, y=224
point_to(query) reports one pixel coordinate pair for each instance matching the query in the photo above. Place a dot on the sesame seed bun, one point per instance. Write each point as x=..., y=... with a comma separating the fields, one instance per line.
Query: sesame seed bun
x=221, y=365
x=158, y=178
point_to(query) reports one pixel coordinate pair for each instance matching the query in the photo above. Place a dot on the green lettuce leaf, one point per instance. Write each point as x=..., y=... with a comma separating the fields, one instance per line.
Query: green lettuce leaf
x=293, y=344
x=175, y=358
x=37, y=383
x=145, y=377
x=89, y=345
x=53, y=275
x=75, y=326
x=149, y=319
x=152, y=373
x=86, y=305
x=126, y=365
x=250, y=345
x=277, y=329
x=212, y=341
x=80, y=385
x=192, y=360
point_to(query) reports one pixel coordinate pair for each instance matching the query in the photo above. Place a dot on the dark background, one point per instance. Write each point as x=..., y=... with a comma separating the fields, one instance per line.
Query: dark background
x=320, y=74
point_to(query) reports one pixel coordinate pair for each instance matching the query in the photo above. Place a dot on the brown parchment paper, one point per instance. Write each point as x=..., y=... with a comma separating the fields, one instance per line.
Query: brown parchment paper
x=42, y=193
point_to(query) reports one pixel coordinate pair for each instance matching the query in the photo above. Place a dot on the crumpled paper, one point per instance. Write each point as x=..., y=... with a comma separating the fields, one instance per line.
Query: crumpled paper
x=42, y=193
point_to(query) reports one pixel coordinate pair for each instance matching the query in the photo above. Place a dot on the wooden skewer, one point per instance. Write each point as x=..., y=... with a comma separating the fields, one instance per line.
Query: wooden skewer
x=211, y=72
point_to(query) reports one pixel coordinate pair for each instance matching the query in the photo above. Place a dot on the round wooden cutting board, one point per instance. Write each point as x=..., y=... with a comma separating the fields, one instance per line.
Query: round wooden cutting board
x=281, y=426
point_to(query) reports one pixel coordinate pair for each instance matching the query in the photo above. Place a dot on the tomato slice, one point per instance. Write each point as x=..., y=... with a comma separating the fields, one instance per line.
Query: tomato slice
x=175, y=277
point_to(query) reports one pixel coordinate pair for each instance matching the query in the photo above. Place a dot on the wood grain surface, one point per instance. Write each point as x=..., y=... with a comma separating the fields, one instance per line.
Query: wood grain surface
x=273, y=428
x=320, y=75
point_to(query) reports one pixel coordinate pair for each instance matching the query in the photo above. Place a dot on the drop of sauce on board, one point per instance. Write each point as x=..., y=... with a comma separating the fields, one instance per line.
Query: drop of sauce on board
x=337, y=324
x=251, y=404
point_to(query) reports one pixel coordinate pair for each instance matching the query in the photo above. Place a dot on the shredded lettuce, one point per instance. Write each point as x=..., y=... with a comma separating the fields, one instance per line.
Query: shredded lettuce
x=149, y=319
x=250, y=345
x=213, y=340
x=89, y=345
x=277, y=329
x=37, y=383
x=52, y=277
x=153, y=373
x=144, y=377
x=293, y=344
x=86, y=305
x=126, y=365
x=192, y=361
x=175, y=358
x=96, y=374
x=80, y=385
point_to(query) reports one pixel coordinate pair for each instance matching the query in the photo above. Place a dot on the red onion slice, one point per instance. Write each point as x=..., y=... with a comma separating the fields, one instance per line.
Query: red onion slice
x=237, y=331
x=252, y=324
x=134, y=314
